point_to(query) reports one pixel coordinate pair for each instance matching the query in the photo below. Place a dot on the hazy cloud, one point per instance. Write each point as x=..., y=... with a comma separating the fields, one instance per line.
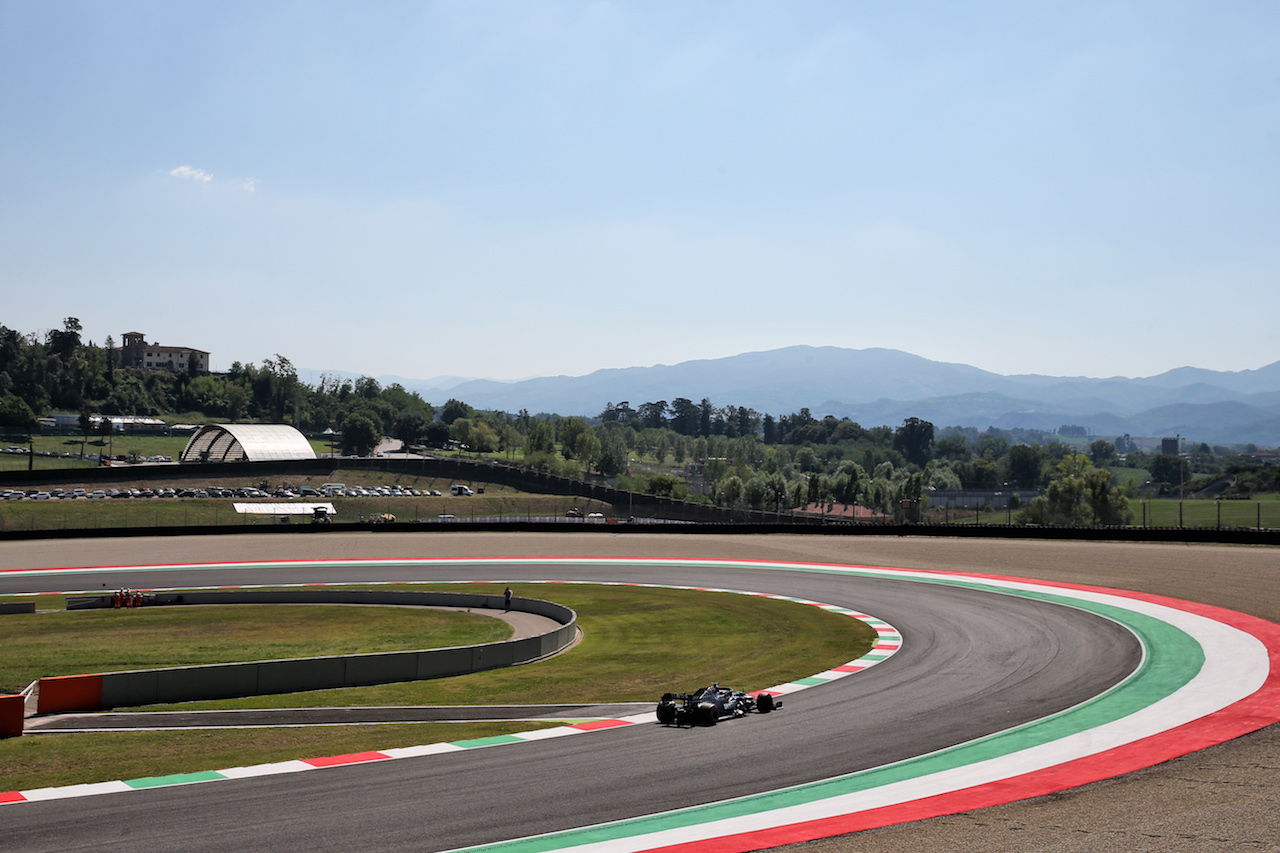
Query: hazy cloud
x=192, y=173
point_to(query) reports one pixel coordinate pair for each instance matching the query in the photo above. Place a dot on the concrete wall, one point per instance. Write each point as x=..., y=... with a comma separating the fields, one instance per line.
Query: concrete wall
x=255, y=678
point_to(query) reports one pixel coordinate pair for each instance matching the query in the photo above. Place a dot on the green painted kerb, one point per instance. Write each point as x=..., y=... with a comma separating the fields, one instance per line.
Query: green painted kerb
x=175, y=779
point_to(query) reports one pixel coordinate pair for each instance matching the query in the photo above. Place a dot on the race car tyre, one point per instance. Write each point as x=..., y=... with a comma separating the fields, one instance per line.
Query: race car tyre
x=764, y=703
x=710, y=716
x=666, y=714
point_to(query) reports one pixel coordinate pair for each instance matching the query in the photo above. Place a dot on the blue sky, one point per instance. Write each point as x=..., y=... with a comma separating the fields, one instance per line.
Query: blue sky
x=513, y=189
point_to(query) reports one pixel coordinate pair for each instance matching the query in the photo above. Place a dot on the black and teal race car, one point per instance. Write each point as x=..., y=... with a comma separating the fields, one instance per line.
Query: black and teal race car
x=709, y=705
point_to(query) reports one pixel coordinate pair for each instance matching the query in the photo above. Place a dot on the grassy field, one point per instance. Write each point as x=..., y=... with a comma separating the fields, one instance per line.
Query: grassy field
x=631, y=651
x=1170, y=512
x=64, y=451
x=69, y=642
x=1262, y=512
x=628, y=653
x=505, y=503
x=496, y=503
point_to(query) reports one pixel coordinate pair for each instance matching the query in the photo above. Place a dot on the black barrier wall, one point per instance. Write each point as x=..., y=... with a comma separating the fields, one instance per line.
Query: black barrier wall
x=256, y=678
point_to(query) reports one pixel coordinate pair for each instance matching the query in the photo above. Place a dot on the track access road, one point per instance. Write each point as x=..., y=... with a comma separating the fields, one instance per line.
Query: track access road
x=972, y=663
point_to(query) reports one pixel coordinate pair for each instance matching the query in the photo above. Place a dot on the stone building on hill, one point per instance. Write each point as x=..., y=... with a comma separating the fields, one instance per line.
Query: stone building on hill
x=136, y=352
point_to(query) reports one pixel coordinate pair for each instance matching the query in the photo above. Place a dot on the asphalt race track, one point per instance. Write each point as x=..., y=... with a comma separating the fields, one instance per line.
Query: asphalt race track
x=972, y=663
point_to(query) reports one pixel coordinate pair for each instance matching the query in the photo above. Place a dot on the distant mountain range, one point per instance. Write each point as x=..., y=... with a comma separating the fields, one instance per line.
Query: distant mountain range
x=885, y=386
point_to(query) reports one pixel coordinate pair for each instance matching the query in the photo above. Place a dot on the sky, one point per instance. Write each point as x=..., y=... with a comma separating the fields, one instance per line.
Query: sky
x=496, y=189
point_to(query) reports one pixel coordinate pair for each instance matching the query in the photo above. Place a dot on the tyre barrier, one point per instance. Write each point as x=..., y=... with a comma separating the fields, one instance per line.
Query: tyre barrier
x=100, y=691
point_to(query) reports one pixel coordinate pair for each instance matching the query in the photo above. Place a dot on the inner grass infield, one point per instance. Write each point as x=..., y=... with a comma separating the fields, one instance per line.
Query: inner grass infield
x=637, y=644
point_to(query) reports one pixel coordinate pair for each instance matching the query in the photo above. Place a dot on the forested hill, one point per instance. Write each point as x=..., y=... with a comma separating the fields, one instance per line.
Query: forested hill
x=884, y=387
x=872, y=387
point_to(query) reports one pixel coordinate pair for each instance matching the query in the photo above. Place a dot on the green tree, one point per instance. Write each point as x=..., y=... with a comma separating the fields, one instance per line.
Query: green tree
x=614, y=456
x=359, y=434
x=684, y=416
x=571, y=429
x=512, y=439
x=1023, y=465
x=662, y=484
x=713, y=470
x=409, y=427
x=729, y=491
x=704, y=418
x=1168, y=469
x=542, y=439
x=658, y=447
x=454, y=409
x=914, y=440
x=981, y=473
x=367, y=387
x=16, y=416
x=436, y=434
x=653, y=415
x=758, y=493
x=587, y=449
x=283, y=387
x=991, y=447
x=484, y=438
x=237, y=402
x=1101, y=452
x=953, y=447
x=1108, y=504
x=64, y=342
x=1079, y=494
x=460, y=432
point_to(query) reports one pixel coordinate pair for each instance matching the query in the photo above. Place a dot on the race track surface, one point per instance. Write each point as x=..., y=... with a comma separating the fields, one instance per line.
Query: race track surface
x=971, y=664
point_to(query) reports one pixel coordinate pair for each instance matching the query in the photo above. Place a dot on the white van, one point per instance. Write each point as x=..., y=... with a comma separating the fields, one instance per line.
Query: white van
x=333, y=490
x=456, y=490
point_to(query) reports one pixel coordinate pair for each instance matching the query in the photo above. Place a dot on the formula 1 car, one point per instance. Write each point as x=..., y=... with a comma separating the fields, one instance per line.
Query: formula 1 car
x=708, y=705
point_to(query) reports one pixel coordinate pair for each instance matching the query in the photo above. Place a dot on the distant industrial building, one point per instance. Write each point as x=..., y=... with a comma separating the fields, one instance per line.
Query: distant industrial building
x=119, y=423
x=136, y=352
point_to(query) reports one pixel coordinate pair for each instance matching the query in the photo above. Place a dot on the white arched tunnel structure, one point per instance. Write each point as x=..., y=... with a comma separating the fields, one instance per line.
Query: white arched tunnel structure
x=246, y=443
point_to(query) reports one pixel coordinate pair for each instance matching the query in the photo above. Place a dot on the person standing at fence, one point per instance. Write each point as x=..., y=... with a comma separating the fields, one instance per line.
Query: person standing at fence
x=506, y=598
